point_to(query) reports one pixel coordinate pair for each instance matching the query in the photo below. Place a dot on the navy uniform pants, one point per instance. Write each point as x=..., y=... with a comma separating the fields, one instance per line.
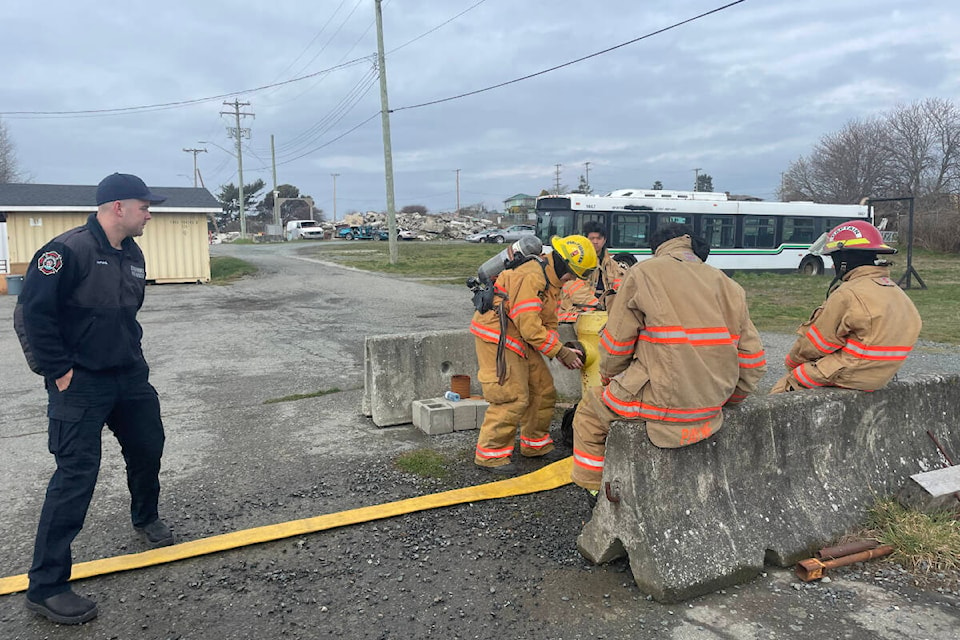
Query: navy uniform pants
x=127, y=403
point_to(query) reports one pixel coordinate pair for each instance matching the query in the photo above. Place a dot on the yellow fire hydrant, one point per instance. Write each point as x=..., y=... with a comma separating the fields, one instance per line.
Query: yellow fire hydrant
x=588, y=327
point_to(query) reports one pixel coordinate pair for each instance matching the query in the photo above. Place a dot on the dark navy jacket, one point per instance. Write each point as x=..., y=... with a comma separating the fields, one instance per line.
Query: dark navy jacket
x=79, y=303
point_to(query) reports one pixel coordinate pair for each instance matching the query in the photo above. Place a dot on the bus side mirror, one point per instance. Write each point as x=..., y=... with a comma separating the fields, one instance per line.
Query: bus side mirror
x=819, y=245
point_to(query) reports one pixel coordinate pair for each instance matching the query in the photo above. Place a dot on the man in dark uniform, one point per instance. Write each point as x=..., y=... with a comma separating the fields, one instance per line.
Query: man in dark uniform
x=77, y=322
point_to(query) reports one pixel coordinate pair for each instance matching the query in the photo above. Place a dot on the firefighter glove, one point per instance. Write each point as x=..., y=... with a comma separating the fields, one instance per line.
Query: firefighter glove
x=571, y=358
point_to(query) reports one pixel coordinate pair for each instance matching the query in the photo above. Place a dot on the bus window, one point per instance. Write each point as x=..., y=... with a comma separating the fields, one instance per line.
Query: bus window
x=830, y=223
x=554, y=223
x=667, y=218
x=592, y=217
x=759, y=232
x=799, y=230
x=720, y=231
x=630, y=230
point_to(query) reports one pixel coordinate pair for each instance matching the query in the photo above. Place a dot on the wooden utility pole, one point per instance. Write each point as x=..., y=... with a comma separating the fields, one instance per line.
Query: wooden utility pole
x=387, y=152
x=458, y=190
x=239, y=133
x=195, y=152
x=334, y=195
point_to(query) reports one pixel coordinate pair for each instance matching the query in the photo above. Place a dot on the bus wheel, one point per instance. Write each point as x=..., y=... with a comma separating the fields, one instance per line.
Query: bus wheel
x=811, y=266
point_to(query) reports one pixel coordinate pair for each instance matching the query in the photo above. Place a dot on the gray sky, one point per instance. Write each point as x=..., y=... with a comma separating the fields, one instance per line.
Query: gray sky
x=738, y=94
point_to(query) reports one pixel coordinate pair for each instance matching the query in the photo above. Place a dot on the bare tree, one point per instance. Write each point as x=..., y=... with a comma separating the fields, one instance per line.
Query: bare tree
x=9, y=169
x=844, y=167
x=912, y=151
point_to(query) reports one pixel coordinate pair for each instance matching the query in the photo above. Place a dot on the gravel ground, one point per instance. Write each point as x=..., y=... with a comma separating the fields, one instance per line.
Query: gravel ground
x=504, y=568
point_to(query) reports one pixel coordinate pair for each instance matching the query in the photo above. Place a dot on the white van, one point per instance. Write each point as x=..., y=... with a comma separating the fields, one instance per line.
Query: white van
x=306, y=229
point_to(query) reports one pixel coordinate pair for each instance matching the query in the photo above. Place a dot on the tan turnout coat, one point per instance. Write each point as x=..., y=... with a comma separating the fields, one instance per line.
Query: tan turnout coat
x=858, y=339
x=678, y=346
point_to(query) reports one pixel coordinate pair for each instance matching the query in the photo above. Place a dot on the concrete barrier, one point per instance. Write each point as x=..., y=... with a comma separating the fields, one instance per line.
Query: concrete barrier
x=399, y=369
x=787, y=475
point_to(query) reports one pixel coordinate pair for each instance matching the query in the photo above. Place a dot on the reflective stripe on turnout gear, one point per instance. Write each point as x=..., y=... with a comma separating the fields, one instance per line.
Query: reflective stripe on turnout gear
x=642, y=410
x=876, y=352
x=588, y=462
x=752, y=360
x=814, y=336
x=494, y=454
x=489, y=335
x=539, y=443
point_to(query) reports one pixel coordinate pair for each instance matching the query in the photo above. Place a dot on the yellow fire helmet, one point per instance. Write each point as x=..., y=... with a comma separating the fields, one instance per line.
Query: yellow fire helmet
x=578, y=253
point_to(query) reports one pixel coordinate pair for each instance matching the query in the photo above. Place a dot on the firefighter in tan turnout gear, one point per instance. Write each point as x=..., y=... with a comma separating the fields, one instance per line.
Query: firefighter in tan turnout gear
x=861, y=335
x=678, y=346
x=512, y=339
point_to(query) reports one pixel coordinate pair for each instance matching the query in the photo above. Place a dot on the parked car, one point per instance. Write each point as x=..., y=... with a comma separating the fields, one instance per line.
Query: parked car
x=480, y=236
x=511, y=233
x=406, y=234
x=364, y=232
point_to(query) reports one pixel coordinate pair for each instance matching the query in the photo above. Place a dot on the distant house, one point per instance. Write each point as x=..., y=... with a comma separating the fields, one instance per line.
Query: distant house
x=520, y=204
x=175, y=242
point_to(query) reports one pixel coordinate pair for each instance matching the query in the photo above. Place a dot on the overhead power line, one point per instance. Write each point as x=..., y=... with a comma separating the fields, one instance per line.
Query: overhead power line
x=572, y=62
x=89, y=113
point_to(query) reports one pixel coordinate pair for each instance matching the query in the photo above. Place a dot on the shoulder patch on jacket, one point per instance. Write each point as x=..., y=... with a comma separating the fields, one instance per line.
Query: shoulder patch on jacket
x=884, y=281
x=49, y=262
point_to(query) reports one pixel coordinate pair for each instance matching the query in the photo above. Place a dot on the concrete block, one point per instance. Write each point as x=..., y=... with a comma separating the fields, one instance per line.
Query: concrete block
x=785, y=476
x=932, y=490
x=433, y=416
x=466, y=412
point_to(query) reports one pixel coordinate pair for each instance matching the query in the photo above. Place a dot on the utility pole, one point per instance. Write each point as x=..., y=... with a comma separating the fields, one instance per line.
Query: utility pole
x=195, y=152
x=387, y=152
x=458, y=190
x=276, y=194
x=557, y=189
x=696, y=179
x=334, y=195
x=586, y=169
x=239, y=133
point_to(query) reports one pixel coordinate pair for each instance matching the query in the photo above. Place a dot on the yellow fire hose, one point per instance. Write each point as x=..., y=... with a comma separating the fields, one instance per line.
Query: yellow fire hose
x=550, y=477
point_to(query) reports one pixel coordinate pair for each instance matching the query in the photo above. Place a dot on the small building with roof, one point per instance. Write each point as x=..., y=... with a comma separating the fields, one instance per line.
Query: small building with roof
x=175, y=241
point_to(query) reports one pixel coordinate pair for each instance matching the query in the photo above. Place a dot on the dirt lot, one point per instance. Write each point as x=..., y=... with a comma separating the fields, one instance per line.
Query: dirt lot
x=506, y=568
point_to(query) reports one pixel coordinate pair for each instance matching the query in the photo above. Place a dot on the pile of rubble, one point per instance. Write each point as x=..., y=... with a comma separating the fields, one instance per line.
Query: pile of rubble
x=444, y=226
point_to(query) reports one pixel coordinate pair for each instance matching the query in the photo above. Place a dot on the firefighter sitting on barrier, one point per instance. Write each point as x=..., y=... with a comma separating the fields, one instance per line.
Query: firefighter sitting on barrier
x=862, y=333
x=597, y=291
x=515, y=326
x=678, y=346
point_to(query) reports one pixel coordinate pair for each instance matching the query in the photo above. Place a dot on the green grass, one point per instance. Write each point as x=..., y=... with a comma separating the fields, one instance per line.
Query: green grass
x=225, y=269
x=444, y=262
x=925, y=543
x=302, y=396
x=425, y=463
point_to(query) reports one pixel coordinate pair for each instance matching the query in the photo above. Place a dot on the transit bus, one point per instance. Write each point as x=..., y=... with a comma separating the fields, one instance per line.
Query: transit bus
x=743, y=234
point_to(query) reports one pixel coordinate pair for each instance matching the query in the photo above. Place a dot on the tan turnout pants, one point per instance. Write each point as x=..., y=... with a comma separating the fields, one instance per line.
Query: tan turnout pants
x=527, y=397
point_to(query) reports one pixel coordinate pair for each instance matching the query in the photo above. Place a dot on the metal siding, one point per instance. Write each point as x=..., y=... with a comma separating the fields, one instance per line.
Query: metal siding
x=27, y=232
x=175, y=245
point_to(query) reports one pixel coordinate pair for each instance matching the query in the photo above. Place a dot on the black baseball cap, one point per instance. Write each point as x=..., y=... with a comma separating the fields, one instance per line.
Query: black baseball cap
x=124, y=186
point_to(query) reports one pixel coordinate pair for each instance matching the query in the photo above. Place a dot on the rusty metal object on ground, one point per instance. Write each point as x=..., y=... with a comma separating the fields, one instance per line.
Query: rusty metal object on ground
x=840, y=550
x=812, y=569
